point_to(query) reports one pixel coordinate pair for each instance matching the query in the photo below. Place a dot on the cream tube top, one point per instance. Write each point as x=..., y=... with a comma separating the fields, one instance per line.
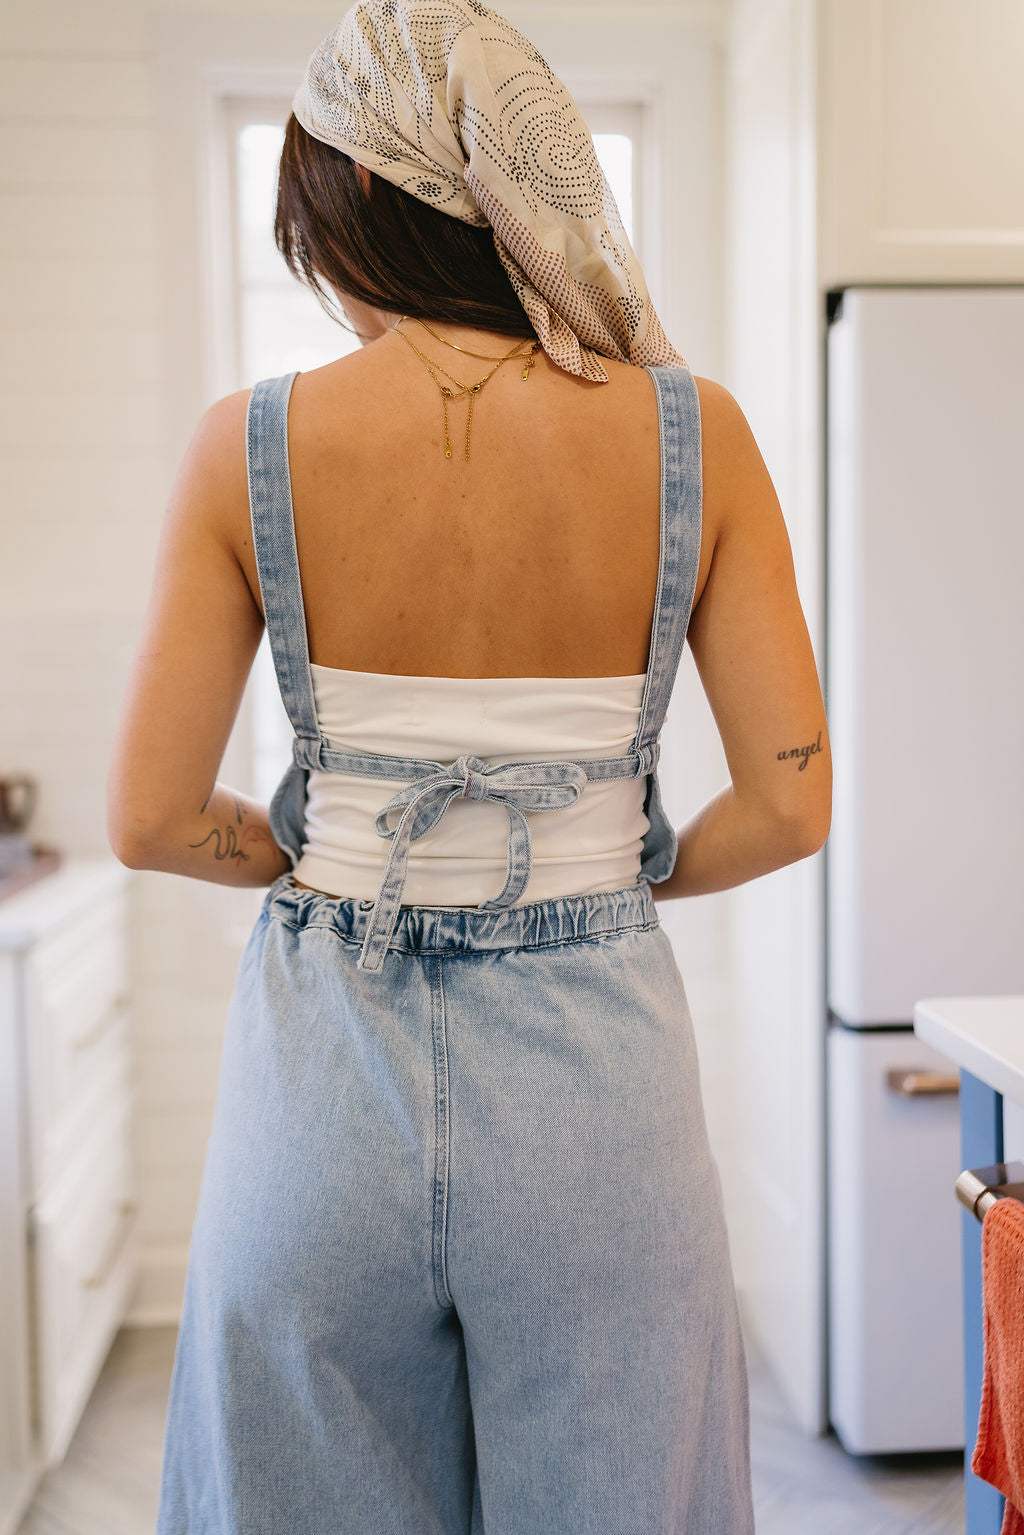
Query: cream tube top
x=592, y=845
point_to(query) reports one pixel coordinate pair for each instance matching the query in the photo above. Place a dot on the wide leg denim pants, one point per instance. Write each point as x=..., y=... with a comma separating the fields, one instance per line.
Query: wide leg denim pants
x=460, y=1264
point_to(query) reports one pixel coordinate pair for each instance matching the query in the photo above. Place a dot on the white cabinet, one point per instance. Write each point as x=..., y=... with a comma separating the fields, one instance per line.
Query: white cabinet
x=68, y=1197
x=921, y=141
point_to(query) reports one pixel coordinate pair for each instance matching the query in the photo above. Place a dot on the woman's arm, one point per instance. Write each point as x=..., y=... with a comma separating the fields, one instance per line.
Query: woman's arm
x=754, y=657
x=165, y=808
x=729, y=842
x=228, y=842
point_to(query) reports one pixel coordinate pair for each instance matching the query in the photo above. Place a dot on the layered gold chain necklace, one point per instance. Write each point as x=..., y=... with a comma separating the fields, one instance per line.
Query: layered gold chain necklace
x=447, y=393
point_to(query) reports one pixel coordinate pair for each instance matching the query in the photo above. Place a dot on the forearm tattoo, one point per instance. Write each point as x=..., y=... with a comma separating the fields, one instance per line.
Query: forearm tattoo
x=227, y=842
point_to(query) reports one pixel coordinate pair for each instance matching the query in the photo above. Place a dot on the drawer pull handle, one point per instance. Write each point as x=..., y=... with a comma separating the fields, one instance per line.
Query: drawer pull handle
x=90, y=1036
x=912, y=1083
x=128, y=1209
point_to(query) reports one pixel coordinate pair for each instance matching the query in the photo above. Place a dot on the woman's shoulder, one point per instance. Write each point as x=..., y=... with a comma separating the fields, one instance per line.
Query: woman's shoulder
x=723, y=424
x=732, y=464
x=720, y=414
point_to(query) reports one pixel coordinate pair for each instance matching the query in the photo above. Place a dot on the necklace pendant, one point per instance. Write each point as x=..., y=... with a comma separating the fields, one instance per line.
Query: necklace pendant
x=527, y=365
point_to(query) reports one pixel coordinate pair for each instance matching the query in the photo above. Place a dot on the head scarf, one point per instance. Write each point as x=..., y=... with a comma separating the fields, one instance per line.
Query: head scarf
x=445, y=99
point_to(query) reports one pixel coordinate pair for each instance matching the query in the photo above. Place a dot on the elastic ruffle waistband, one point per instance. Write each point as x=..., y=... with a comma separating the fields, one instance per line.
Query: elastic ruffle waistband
x=465, y=929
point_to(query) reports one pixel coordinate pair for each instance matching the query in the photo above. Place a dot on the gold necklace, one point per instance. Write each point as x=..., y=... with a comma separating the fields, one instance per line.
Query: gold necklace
x=487, y=356
x=434, y=368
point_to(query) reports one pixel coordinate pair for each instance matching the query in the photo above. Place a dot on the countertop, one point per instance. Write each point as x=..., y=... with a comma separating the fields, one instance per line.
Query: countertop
x=30, y=913
x=984, y=1035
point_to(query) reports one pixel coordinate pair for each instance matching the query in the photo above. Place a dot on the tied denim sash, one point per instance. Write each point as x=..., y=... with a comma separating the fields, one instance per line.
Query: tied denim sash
x=524, y=788
x=519, y=786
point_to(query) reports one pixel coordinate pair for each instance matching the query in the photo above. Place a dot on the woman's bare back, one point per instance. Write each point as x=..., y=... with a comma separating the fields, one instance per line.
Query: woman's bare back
x=536, y=557
x=539, y=557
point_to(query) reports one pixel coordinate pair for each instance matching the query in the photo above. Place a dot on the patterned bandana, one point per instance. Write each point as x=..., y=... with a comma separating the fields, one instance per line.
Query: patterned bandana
x=448, y=101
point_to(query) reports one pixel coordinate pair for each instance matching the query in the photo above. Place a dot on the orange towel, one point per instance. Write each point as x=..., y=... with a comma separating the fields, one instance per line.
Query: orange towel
x=999, y=1453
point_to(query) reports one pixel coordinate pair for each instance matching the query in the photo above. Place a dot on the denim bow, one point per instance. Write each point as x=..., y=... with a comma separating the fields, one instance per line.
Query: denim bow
x=519, y=786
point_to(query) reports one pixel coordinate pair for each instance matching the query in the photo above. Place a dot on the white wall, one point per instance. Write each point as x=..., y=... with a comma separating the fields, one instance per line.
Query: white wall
x=772, y=351
x=108, y=367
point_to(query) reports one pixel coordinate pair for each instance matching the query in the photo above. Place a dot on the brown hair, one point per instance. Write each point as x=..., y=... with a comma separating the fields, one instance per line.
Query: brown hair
x=387, y=248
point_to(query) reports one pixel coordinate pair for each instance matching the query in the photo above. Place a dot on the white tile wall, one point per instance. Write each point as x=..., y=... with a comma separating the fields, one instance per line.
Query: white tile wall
x=61, y=680
x=86, y=470
x=90, y=451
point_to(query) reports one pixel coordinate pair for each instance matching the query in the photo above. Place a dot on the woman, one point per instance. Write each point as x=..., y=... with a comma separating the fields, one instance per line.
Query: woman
x=460, y=1260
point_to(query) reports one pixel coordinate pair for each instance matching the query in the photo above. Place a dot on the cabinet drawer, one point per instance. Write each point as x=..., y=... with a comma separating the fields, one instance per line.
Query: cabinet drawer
x=82, y=1240
x=93, y=935
x=97, y=1083
x=77, y=991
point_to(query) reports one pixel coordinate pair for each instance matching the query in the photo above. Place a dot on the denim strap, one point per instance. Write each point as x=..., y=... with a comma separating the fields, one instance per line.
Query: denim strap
x=681, y=498
x=273, y=541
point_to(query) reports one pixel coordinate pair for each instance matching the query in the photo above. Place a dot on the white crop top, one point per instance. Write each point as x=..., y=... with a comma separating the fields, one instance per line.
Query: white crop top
x=594, y=844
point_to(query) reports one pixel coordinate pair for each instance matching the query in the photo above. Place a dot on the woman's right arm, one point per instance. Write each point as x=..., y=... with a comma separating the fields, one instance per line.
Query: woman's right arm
x=754, y=658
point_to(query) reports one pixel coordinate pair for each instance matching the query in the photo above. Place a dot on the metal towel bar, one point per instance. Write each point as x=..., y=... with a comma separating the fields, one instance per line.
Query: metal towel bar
x=978, y=1188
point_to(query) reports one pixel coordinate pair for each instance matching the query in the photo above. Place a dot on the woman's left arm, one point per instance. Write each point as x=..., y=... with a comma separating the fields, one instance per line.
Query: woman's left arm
x=165, y=808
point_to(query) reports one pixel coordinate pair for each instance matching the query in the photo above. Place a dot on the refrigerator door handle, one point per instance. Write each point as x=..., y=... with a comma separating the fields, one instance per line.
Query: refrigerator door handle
x=978, y=1188
x=911, y=1082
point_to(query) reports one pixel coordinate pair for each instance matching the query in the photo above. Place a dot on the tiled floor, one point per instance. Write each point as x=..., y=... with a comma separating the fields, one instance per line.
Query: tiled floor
x=108, y=1482
x=808, y=1486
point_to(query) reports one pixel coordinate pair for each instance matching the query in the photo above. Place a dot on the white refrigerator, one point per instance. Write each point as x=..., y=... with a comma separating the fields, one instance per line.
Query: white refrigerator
x=924, y=672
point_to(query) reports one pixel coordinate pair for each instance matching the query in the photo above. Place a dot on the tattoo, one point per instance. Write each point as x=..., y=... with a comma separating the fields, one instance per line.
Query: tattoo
x=229, y=848
x=228, y=845
x=806, y=752
x=239, y=807
x=227, y=842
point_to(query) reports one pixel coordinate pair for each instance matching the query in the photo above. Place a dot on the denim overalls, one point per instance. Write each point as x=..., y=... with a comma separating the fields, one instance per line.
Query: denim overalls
x=460, y=1264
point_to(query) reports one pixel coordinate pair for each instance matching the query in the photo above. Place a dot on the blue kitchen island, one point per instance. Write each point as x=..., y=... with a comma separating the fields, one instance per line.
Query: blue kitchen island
x=984, y=1037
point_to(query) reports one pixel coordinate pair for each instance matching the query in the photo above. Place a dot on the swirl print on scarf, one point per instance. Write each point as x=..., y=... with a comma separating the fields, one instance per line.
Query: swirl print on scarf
x=445, y=99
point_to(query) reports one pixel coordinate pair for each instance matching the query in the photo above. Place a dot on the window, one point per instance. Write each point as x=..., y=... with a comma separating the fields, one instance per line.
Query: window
x=280, y=326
